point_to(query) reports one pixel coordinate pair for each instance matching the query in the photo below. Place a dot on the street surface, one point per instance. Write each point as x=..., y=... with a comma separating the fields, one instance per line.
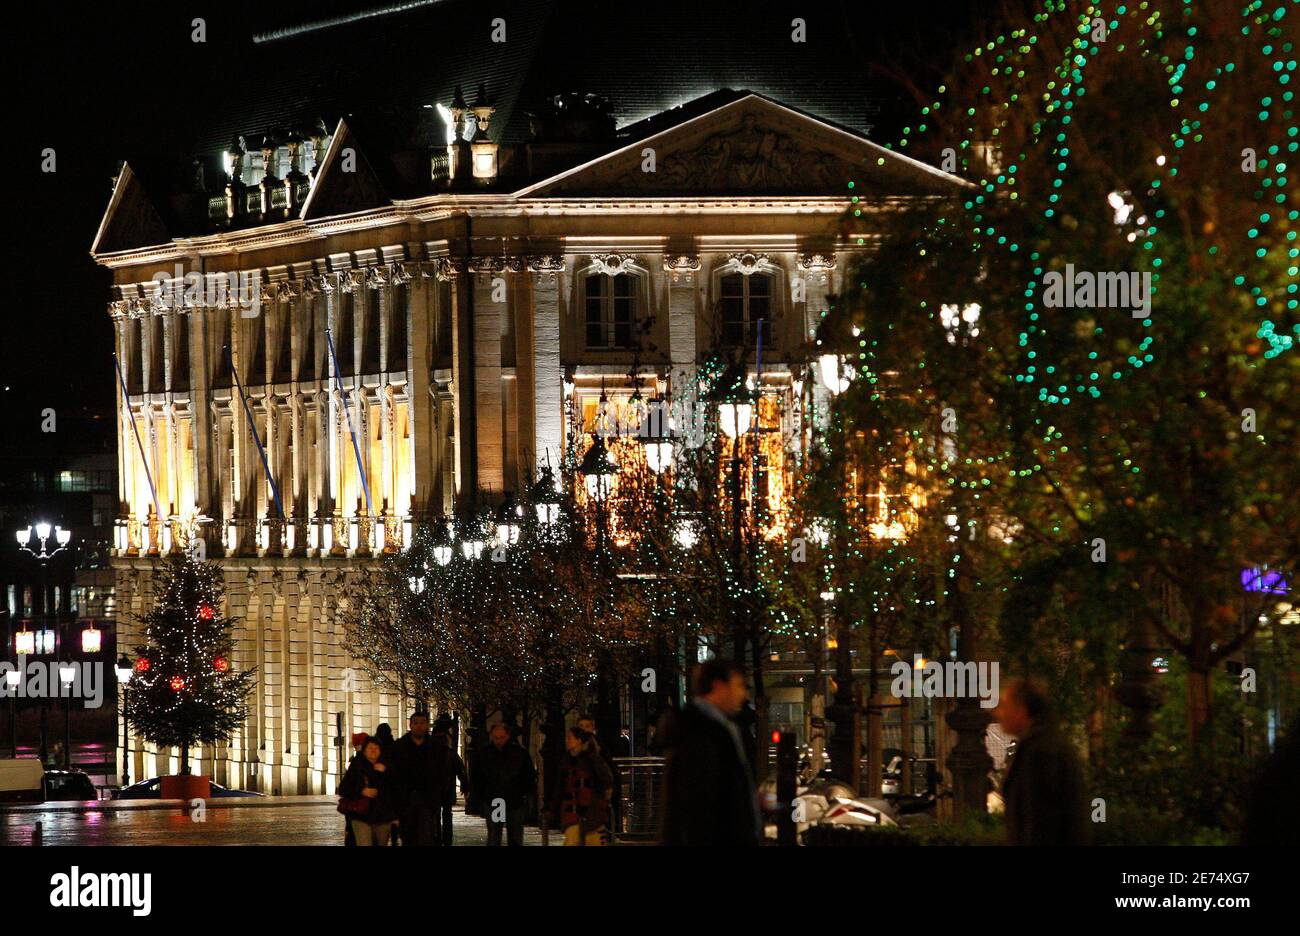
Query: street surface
x=295, y=821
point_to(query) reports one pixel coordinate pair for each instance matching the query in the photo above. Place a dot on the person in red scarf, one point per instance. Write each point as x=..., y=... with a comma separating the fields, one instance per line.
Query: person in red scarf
x=584, y=791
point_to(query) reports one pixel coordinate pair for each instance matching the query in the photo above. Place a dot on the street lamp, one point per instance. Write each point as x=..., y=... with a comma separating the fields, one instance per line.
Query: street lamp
x=834, y=375
x=657, y=438
x=735, y=417
x=91, y=639
x=124, y=671
x=12, y=678
x=684, y=535
x=546, y=498
x=508, y=523
x=62, y=538
x=67, y=673
x=597, y=467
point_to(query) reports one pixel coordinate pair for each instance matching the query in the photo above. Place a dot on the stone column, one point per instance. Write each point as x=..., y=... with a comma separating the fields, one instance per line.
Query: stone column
x=682, y=271
x=419, y=339
x=815, y=269
x=462, y=376
x=548, y=376
x=489, y=286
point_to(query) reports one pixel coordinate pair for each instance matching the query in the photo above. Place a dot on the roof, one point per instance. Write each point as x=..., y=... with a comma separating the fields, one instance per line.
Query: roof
x=644, y=58
x=378, y=70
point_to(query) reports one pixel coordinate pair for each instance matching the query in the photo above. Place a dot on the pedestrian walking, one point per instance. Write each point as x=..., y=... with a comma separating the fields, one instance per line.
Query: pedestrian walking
x=366, y=796
x=358, y=741
x=502, y=779
x=709, y=795
x=418, y=763
x=1043, y=793
x=453, y=769
x=584, y=791
x=384, y=734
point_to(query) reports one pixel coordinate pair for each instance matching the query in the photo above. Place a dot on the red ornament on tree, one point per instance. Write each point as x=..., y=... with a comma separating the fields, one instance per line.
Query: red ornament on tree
x=177, y=683
x=142, y=665
x=206, y=612
x=221, y=664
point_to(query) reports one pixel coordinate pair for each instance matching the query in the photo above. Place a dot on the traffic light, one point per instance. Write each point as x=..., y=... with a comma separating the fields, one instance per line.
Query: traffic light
x=787, y=771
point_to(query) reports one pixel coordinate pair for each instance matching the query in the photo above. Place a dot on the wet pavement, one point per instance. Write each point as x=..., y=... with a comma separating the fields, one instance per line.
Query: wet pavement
x=294, y=821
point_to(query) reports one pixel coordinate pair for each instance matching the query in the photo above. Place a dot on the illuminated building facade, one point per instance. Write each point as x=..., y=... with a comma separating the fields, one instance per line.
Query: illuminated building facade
x=419, y=311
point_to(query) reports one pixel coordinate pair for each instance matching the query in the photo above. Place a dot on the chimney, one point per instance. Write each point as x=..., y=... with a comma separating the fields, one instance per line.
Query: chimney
x=484, y=150
x=458, y=151
x=234, y=159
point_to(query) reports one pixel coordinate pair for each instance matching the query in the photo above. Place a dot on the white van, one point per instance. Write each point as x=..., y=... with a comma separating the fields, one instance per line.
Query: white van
x=22, y=780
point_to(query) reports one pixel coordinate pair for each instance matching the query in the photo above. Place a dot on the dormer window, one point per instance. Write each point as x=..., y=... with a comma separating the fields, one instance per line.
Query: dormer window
x=611, y=311
x=746, y=302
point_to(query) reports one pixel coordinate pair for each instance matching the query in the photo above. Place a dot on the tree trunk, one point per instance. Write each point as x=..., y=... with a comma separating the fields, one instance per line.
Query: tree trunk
x=761, y=739
x=1198, y=700
x=185, y=760
x=843, y=711
x=1136, y=690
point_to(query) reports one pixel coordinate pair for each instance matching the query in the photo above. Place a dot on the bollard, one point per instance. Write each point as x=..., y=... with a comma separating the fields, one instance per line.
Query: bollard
x=36, y=833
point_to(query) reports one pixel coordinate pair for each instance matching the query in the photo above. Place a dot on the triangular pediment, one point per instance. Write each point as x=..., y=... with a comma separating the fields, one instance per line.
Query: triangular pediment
x=131, y=219
x=347, y=182
x=752, y=146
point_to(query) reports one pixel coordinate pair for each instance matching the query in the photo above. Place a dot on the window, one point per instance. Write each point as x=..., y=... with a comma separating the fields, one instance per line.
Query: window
x=611, y=310
x=746, y=309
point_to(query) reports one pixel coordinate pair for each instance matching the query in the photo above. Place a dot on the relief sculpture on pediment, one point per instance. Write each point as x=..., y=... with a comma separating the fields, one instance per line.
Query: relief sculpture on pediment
x=752, y=158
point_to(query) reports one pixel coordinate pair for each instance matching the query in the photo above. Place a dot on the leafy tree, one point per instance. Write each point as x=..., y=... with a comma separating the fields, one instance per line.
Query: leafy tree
x=1158, y=441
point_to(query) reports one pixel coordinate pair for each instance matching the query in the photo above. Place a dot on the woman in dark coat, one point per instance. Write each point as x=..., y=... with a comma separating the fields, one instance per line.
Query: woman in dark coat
x=584, y=791
x=369, y=782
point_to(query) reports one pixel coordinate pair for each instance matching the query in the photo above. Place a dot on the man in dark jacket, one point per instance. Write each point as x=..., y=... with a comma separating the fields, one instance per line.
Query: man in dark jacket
x=453, y=768
x=709, y=796
x=502, y=781
x=1044, y=795
x=419, y=765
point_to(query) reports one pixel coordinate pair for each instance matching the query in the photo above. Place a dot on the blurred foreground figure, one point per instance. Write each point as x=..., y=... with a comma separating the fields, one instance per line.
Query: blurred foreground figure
x=1044, y=794
x=1273, y=817
x=709, y=796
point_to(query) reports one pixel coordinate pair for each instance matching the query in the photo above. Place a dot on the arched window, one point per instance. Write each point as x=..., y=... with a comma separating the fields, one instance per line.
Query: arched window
x=611, y=310
x=746, y=302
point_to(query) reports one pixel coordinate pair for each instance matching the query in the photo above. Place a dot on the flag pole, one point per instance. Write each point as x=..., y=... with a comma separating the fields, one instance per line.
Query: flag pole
x=252, y=427
x=347, y=414
x=126, y=405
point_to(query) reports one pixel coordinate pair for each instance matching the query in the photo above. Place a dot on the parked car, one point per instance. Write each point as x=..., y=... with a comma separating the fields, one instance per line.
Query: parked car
x=69, y=785
x=151, y=789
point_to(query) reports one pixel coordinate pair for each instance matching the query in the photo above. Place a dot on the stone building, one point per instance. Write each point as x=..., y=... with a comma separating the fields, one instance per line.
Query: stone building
x=423, y=304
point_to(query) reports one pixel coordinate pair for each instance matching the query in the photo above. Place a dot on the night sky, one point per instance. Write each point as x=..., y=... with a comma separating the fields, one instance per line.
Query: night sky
x=110, y=81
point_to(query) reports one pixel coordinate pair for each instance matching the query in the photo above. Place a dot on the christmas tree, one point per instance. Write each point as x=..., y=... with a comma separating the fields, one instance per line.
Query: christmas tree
x=185, y=690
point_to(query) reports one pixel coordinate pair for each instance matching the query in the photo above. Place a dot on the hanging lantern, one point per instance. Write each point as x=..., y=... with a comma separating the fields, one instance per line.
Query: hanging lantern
x=177, y=683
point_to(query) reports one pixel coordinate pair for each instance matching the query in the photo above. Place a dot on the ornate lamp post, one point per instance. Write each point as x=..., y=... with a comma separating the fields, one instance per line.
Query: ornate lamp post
x=12, y=678
x=61, y=536
x=43, y=554
x=67, y=673
x=598, y=468
x=124, y=671
x=969, y=760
